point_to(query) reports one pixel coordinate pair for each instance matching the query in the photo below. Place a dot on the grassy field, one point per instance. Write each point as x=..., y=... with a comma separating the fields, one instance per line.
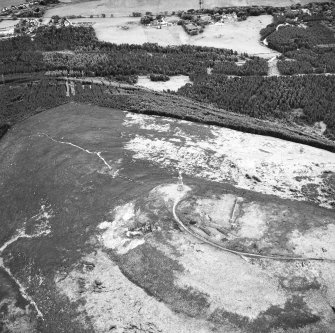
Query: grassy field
x=125, y=7
x=8, y=23
x=6, y=3
x=173, y=84
x=240, y=36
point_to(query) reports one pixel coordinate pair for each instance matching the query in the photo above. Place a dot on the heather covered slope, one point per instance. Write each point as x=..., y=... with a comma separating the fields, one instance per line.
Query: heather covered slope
x=89, y=242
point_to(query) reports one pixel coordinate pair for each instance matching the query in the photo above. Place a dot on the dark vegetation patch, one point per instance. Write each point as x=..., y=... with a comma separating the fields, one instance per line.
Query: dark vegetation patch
x=306, y=61
x=221, y=317
x=299, y=284
x=154, y=272
x=329, y=180
x=304, y=35
x=3, y=129
x=310, y=190
x=255, y=67
x=294, y=315
x=21, y=101
x=61, y=315
x=289, y=38
x=159, y=77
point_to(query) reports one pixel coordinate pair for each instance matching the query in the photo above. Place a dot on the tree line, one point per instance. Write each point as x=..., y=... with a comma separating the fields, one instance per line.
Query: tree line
x=290, y=37
x=270, y=97
x=305, y=61
x=91, y=57
x=307, y=39
x=76, y=51
x=31, y=97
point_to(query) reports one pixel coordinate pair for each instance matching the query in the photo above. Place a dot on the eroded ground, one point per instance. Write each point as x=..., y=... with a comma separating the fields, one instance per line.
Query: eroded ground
x=89, y=242
x=253, y=162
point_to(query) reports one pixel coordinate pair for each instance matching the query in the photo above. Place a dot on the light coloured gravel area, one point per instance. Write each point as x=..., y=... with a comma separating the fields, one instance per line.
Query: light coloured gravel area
x=254, y=162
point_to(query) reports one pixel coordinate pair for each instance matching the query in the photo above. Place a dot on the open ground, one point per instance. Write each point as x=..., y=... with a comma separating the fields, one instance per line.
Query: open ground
x=8, y=23
x=240, y=36
x=173, y=84
x=8, y=3
x=89, y=241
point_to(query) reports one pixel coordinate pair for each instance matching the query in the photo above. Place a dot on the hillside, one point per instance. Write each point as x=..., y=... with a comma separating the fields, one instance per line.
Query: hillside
x=89, y=242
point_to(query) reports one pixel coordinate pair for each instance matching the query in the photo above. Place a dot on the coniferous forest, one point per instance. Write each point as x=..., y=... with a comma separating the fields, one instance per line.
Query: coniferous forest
x=76, y=52
x=303, y=99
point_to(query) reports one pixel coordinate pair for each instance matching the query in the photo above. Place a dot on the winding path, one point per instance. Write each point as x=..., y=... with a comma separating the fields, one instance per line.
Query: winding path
x=241, y=254
x=96, y=153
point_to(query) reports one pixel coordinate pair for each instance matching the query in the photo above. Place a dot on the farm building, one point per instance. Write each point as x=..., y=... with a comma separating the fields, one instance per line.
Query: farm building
x=191, y=29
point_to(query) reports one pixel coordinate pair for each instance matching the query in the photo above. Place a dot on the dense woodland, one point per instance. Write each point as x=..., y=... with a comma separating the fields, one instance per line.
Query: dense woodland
x=288, y=38
x=21, y=100
x=93, y=58
x=257, y=66
x=75, y=51
x=90, y=57
x=306, y=41
x=316, y=60
x=159, y=77
x=302, y=99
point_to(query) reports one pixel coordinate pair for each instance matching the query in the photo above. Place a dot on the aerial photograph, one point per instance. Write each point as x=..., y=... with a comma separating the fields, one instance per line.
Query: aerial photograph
x=167, y=166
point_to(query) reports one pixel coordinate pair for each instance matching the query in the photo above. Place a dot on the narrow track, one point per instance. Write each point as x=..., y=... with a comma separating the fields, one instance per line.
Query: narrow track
x=241, y=254
x=96, y=153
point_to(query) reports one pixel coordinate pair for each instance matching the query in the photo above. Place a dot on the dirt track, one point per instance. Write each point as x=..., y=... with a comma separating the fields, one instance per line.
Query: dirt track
x=241, y=254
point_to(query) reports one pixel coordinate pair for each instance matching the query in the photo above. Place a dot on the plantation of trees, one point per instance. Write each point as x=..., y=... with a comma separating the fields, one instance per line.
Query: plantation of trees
x=75, y=51
x=288, y=38
x=290, y=67
x=316, y=60
x=309, y=40
x=90, y=57
x=251, y=67
x=270, y=97
x=93, y=58
x=159, y=77
x=26, y=99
